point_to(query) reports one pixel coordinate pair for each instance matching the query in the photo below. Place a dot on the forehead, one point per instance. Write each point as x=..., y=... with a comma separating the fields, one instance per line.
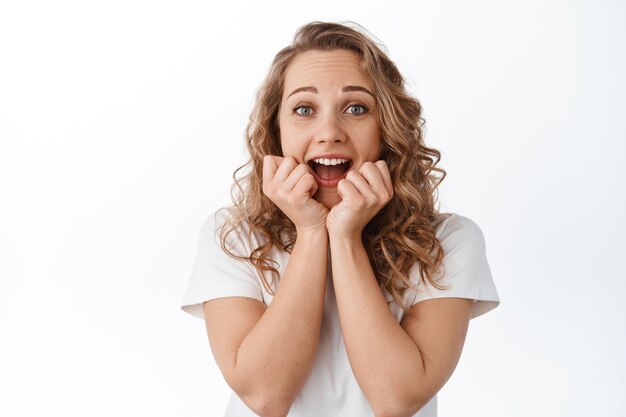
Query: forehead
x=316, y=68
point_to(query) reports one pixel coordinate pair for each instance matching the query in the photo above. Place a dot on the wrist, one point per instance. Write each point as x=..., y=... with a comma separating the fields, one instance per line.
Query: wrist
x=349, y=239
x=312, y=233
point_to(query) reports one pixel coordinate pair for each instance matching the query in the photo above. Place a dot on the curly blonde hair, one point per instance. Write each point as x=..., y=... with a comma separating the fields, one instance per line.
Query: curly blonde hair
x=403, y=232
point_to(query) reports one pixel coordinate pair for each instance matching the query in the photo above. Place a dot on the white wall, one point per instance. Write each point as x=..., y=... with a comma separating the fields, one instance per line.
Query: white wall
x=121, y=123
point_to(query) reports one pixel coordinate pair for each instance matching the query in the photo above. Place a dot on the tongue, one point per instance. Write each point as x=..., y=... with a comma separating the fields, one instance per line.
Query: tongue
x=329, y=172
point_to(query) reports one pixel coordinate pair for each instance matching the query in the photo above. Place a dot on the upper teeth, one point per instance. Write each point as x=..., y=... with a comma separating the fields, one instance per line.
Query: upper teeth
x=326, y=161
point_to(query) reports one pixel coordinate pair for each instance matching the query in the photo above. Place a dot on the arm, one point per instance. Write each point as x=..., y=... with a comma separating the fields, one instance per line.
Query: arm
x=399, y=367
x=266, y=354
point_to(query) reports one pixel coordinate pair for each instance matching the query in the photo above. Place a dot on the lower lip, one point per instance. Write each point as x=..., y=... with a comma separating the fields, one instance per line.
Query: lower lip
x=328, y=182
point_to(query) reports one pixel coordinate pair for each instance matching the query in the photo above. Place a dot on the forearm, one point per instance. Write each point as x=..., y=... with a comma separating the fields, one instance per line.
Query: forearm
x=276, y=356
x=386, y=362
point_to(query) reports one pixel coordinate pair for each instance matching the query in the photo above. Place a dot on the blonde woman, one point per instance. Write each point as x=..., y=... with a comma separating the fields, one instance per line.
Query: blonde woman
x=332, y=286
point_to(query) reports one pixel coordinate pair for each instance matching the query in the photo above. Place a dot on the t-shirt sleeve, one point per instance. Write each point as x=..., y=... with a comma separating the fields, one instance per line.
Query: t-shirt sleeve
x=215, y=274
x=466, y=271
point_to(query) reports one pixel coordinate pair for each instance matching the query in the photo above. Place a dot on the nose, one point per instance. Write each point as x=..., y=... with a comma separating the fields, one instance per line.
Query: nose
x=330, y=129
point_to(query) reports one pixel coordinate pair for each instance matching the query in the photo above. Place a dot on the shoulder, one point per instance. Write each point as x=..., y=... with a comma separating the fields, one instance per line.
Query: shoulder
x=218, y=218
x=455, y=230
x=219, y=268
x=466, y=272
x=220, y=229
x=224, y=217
x=229, y=229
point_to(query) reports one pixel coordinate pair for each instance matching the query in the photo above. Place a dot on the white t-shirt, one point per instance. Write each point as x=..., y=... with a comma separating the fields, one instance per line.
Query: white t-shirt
x=331, y=388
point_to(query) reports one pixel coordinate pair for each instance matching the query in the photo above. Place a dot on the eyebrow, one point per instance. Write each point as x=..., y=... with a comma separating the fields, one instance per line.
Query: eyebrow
x=357, y=88
x=345, y=89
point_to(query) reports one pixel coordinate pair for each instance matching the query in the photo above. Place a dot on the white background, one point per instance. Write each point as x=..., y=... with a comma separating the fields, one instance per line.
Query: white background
x=121, y=123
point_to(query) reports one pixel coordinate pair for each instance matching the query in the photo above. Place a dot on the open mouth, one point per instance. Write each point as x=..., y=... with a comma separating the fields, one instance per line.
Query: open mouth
x=330, y=169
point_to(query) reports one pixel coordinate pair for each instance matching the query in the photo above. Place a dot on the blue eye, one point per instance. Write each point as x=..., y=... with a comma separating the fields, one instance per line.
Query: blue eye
x=360, y=109
x=303, y=110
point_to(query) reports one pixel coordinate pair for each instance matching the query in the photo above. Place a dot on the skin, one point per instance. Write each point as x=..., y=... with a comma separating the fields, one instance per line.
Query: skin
x=266, y=352
x=329, y=120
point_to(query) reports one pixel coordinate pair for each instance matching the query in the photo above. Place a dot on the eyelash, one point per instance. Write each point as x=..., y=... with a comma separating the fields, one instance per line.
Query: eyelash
x=363, y=106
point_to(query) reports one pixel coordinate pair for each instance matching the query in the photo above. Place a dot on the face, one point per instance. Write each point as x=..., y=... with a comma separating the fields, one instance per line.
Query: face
x=328, y=118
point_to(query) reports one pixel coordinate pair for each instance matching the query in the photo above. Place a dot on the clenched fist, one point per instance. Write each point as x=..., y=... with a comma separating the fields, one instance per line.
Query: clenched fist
x=364, y=192
x=291, y=187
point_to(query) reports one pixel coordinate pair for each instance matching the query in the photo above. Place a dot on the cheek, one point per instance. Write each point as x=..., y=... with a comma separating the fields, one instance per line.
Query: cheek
x=286, y=140
x=286, y=137
x=290, y=144
x=373, y=143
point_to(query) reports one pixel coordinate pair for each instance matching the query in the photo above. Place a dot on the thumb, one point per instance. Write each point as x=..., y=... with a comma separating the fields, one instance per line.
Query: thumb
x=341, y=189
x=313, y=189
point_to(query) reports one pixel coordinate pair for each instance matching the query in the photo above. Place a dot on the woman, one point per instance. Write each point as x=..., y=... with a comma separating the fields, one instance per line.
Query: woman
x=333, y=287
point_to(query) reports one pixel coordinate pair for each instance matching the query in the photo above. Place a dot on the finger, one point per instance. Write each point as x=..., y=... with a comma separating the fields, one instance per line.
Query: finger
x=306, y=185
x=347, y=190
x=269, y=169
x=284, y=169
x=296, y=174
x=384, y=172
x=373, y=176
x=361, y=185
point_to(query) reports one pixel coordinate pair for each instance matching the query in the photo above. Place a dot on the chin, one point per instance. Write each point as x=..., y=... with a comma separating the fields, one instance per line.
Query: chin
x=328, y=200
x=328, y=205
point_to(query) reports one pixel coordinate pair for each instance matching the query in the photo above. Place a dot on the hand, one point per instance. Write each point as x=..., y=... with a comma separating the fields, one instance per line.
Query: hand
x=363, y=194
x=291, y=187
